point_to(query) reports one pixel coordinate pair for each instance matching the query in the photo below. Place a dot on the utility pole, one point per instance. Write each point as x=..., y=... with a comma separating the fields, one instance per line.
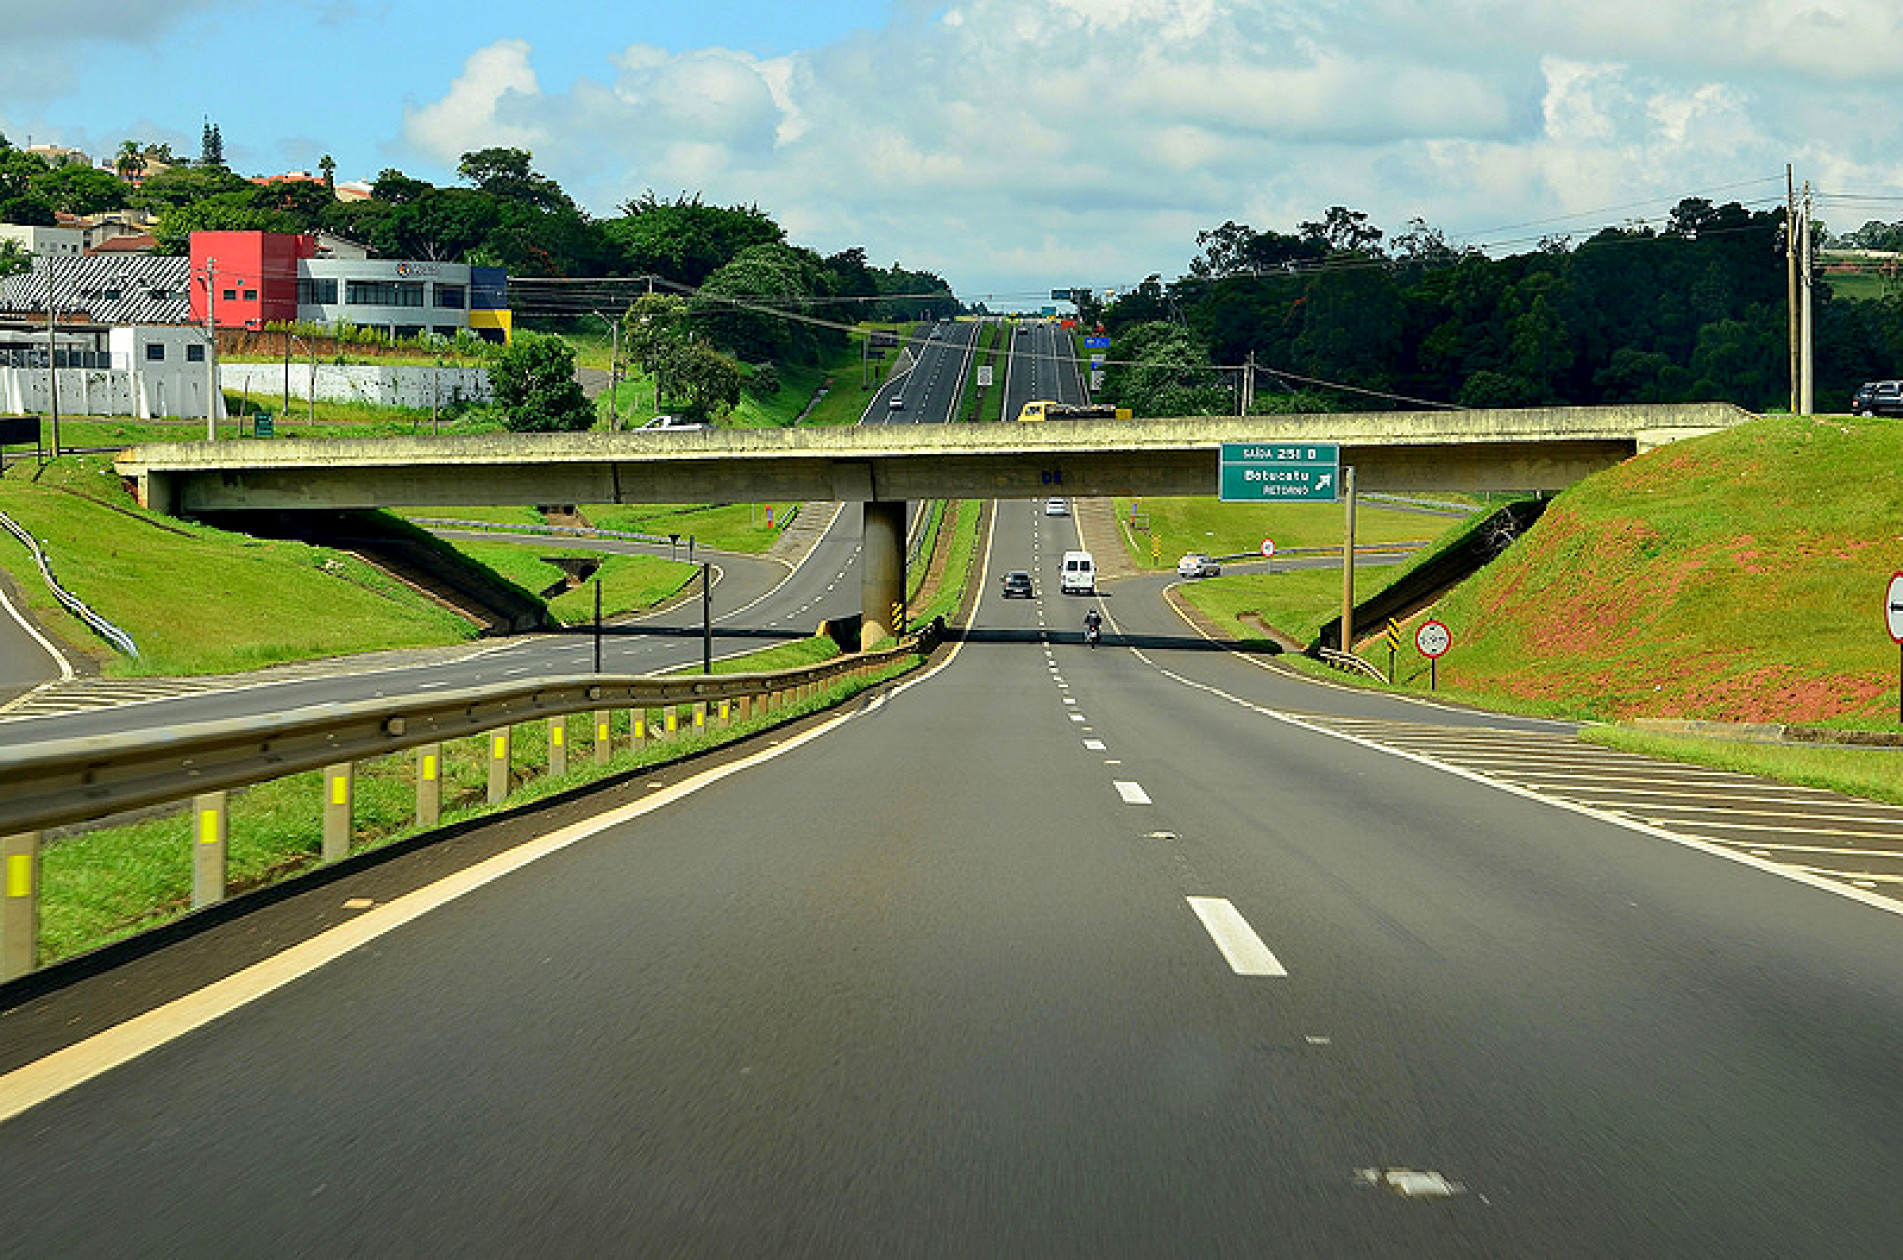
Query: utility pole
x=1790, y=279
x=211, y=350
x=1248, y=384
x=52, y=353
x=1806, y=376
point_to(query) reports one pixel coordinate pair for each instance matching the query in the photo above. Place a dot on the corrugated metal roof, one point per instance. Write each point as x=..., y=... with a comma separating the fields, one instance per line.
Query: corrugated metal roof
x=111, y=288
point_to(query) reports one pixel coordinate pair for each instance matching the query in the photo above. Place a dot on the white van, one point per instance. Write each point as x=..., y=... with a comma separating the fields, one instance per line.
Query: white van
x=1080, y=574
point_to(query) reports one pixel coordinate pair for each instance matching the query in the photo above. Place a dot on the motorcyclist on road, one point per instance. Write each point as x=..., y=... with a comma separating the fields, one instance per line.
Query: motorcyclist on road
x=1093, y=626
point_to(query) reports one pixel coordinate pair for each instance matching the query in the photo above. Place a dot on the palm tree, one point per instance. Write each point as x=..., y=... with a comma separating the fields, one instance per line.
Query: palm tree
x=131, y=161
x=328, y=165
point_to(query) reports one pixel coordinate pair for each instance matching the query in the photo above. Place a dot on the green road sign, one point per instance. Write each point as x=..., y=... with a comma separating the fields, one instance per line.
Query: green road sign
x=1263, y=472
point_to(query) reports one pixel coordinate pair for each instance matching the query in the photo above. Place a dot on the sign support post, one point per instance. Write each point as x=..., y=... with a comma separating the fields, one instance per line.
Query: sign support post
x=1893, y=620
x=1432, y=639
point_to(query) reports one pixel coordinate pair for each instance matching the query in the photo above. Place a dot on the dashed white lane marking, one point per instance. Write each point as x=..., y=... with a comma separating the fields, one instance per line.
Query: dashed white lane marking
x=1240, y=946
x=1132, y=793
x=1078, y=717
x=1094, y=745
x=1070, y=699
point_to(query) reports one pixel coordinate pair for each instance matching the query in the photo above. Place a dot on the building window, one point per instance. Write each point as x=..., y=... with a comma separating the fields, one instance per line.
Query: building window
x=406, y=332
x=250, y=295
x=383, y=292
x=154, y=352
x=451, y=296
x=194, y=354
x=316, y=292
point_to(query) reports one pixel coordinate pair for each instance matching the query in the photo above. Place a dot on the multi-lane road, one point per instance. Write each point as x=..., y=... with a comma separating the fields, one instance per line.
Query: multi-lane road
x=1150, y=950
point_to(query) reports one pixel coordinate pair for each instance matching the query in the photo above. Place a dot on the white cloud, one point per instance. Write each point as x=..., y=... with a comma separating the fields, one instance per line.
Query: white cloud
x=1086, y=141
x=484, y=106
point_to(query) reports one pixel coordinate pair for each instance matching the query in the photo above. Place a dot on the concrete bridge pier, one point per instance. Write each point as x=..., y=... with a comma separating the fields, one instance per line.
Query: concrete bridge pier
x=881, y=570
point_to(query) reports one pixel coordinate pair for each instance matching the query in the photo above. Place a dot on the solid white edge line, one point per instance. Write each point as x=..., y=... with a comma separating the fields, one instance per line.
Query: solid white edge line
x=66, y=1069
x=1872, y=900
x=66, y=673
x=1240, y=946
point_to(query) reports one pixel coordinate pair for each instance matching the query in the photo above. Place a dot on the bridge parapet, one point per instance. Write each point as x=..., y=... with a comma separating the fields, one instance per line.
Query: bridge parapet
x=1541, y=449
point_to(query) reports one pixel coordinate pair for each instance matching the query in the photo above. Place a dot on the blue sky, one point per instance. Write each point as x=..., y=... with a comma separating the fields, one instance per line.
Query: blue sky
x=1016, y=145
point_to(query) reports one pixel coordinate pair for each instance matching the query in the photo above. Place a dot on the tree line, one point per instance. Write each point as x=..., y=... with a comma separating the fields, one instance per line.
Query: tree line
x=1339, y=317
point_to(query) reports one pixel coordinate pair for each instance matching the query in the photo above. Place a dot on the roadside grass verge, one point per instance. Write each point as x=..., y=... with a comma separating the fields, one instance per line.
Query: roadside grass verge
x=960, y=541
x=740, y=527
x=228, y=603
x=629, y=583
x=1206, y=524
x=108, y=883
x=985, y=404
x=1297, y=602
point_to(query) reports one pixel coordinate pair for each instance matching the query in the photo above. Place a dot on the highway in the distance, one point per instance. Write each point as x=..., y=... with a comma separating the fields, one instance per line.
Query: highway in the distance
x=756, y=601
x=1143, y=950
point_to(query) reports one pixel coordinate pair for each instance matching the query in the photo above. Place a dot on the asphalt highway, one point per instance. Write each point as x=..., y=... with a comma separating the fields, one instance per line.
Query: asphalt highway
x=1142, y=950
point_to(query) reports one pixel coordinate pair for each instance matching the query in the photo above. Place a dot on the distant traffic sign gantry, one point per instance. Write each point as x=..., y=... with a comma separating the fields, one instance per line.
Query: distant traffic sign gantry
x=1267, y=472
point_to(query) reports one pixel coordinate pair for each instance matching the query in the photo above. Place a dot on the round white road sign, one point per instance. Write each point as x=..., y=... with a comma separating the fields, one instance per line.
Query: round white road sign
x=1268, y=548
x=1893, y=608
x=1433, y=639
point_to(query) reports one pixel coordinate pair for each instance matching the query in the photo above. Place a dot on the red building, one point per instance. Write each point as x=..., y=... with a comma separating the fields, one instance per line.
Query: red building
x=253, y=275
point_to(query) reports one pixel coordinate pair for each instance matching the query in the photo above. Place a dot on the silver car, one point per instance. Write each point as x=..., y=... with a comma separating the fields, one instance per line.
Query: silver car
x=1197, y=565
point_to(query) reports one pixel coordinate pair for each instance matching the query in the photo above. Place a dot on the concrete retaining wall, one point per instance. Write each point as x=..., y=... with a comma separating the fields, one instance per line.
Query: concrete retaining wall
x=418, y=387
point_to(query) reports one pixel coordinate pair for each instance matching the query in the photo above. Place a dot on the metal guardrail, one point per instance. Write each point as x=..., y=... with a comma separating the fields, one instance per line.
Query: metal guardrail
x=1351, y=663
x=71, y=602
x=58, y=782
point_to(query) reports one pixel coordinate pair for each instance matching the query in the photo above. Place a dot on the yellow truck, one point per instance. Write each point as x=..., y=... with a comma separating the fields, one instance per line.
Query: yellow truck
x=1042, y=409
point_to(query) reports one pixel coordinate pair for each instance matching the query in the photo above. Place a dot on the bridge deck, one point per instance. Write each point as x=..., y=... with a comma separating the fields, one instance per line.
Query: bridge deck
x=1545, y=449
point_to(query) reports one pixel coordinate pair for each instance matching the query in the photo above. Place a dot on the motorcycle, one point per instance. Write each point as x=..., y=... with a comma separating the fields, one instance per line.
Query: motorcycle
x=1092, y=633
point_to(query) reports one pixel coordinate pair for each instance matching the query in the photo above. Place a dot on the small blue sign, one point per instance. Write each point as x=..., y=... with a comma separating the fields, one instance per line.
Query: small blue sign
x=1096, y=343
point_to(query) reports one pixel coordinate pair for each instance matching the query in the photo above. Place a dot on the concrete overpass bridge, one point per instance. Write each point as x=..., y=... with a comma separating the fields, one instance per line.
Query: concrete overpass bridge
x=882, y=467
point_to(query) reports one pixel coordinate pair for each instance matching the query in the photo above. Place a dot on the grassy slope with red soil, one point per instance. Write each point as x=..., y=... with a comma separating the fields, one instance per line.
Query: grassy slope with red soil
x=1737, y=577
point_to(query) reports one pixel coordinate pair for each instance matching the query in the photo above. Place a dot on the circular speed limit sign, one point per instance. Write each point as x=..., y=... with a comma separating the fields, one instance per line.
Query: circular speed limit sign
x=1433, y=639
x=1268, y=548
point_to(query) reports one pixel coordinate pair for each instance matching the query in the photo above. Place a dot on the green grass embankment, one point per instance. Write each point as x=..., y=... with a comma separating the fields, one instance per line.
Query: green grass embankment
x=1733, y=578
x=1163, y=529
x=198, y=600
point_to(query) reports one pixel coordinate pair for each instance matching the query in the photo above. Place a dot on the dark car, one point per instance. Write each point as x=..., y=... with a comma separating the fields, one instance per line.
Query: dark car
x=1018, y=582
x=1878, y=398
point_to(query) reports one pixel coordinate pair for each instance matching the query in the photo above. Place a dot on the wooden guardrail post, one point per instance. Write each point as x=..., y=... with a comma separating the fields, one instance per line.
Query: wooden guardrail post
x=670, y=721
x=746, y=708
x=499, y=744
x=557, y=747
x=726, y=714
x=429, y=785
x=604, y=724
x=340, y=787
x=700, y=717
x=20, y=906
x=211, y=847
x=638, y=729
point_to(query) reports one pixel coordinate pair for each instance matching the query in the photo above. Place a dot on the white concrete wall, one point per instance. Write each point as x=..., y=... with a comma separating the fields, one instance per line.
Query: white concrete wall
x=385, y=386
x=105, y=392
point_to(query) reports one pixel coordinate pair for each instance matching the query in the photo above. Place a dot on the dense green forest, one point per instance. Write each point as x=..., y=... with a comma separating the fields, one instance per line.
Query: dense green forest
x=1694, y=310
